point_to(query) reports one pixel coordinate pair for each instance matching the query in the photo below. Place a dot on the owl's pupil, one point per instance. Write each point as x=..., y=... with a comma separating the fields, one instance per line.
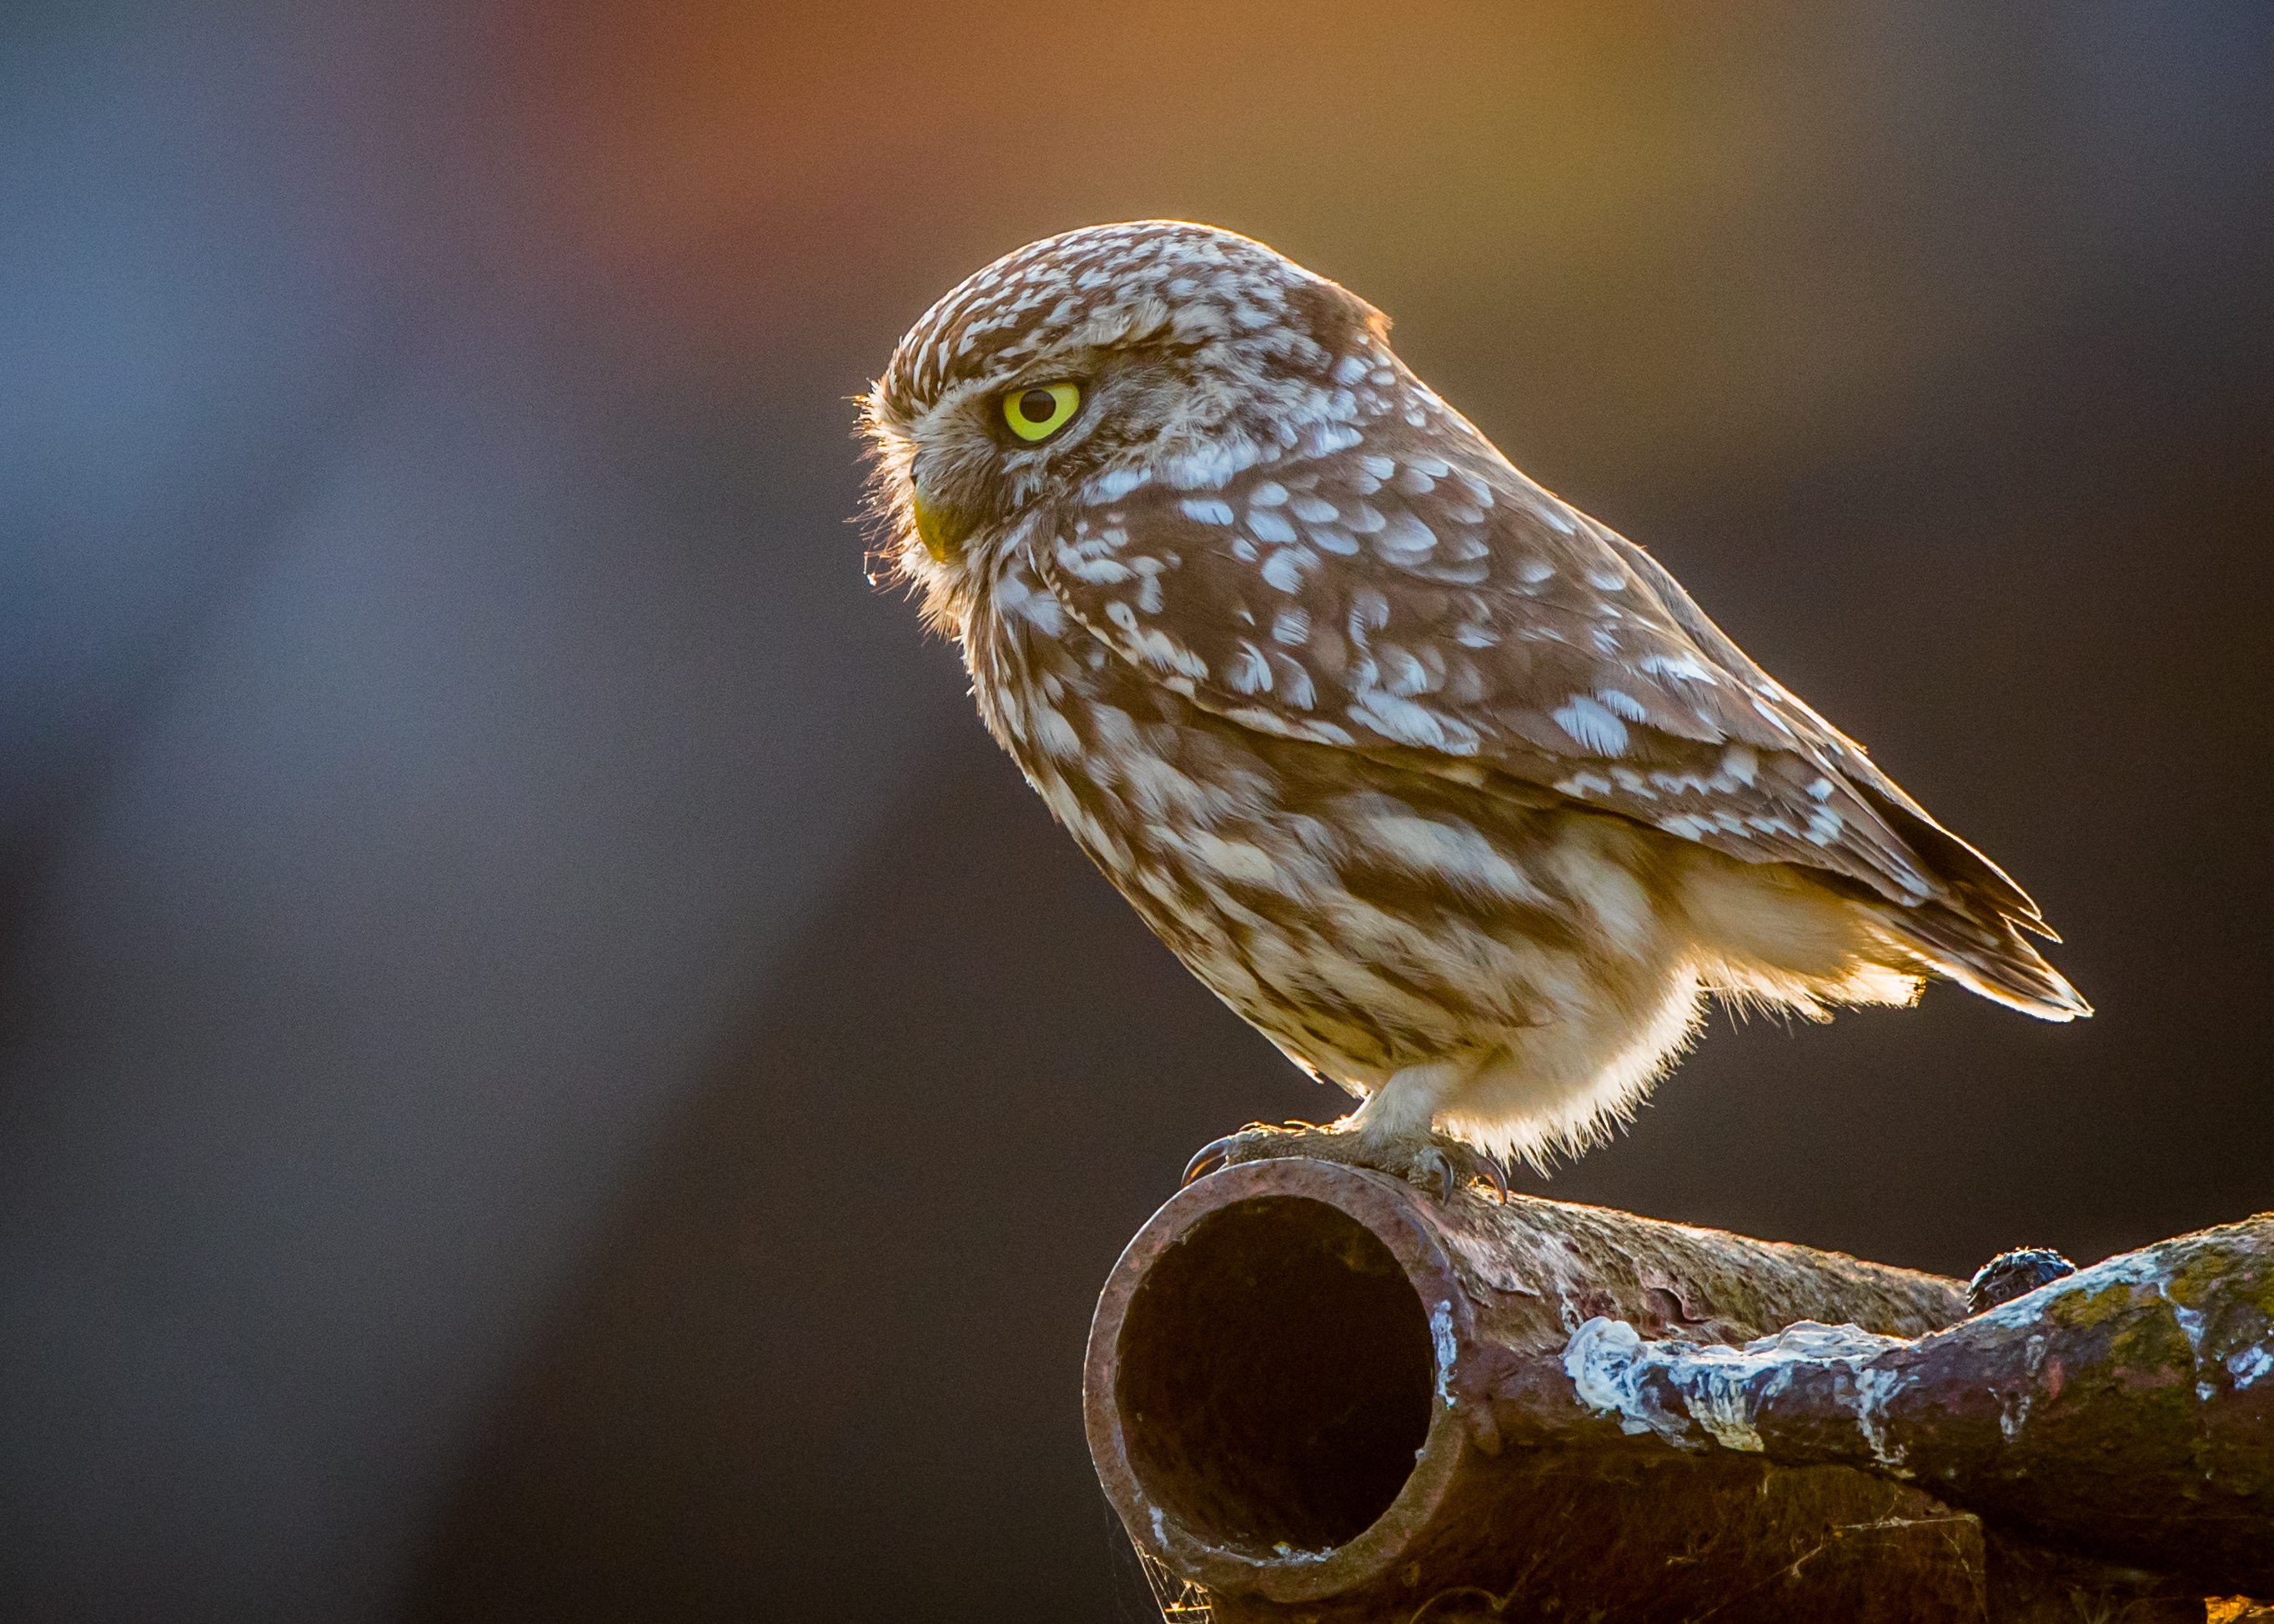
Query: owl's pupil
x=1037, y=405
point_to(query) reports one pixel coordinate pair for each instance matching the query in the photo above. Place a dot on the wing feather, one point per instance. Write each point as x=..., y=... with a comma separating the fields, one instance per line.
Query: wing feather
x=1462, y=617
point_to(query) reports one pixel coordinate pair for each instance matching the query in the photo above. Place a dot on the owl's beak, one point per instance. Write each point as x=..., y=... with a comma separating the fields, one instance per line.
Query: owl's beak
x=937, y=526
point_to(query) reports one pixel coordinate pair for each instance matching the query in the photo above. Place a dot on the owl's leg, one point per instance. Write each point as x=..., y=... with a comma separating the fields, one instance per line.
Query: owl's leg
x=1394, y=1132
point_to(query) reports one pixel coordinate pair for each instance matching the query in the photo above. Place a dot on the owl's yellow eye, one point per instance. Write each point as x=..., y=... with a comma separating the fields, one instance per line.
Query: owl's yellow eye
x=1042, y=411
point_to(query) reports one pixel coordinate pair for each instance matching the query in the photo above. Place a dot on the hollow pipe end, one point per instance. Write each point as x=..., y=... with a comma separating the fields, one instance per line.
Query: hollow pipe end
x=1269, y=1387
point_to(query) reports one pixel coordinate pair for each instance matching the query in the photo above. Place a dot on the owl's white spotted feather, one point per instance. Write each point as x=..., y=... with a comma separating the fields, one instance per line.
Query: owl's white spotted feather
x=1269, y=565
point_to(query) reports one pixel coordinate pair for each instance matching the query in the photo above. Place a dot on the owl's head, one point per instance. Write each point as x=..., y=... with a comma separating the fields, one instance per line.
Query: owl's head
x=1084, y=366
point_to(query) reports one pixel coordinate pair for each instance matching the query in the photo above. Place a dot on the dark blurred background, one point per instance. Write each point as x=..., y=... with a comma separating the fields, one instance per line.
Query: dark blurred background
x=549, y=1071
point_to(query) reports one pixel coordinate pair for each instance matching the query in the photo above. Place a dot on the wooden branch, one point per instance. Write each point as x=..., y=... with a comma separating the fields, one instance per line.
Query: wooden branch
x=1321, y=1396
x=2125, y=1411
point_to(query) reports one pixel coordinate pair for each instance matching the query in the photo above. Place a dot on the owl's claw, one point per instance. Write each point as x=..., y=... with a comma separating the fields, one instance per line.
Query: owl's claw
x=1439, y=1166
x=1206, y=1159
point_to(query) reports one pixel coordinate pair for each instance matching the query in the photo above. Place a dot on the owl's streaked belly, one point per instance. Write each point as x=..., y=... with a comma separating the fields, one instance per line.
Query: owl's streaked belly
x=1365, y=916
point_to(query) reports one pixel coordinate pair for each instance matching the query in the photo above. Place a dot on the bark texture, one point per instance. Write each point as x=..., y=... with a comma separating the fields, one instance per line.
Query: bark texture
x=1322, y=1396
x=2125, y=1411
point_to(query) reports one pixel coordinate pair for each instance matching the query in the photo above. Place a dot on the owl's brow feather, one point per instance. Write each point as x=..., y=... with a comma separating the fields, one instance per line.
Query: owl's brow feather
x=1114, y=284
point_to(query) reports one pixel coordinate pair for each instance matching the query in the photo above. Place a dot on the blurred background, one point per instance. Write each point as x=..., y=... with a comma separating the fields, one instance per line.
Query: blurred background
x=549, y=1071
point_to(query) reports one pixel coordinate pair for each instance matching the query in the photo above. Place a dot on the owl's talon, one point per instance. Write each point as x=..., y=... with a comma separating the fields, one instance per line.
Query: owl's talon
x=1448, y=1167
x=1440, y=1167
x=1206, y=1159
x=1431, y=1173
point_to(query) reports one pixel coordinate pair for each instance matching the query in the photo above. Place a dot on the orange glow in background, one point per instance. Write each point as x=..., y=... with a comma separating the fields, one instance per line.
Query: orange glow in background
x=548, y=1070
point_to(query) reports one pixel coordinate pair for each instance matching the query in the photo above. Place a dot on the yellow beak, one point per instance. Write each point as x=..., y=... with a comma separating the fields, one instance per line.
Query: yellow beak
x=933, y=528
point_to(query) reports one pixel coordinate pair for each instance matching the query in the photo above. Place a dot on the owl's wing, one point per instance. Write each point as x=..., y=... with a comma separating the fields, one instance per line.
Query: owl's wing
x=1464, y=618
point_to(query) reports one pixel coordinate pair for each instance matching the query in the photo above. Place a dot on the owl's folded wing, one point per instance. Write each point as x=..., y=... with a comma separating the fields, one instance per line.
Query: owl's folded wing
x=1463, y=618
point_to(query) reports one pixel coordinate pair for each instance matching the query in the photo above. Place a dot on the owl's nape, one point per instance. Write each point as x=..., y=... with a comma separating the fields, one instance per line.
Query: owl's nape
x=1450, y=791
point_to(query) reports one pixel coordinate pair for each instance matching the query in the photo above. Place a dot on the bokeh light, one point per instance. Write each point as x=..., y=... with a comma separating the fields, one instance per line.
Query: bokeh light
x=548, y=1070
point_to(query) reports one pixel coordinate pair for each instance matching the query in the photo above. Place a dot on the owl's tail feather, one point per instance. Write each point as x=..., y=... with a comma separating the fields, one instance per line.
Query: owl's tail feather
x=1953, y=861
x=1971, y=934
x=1995, y=960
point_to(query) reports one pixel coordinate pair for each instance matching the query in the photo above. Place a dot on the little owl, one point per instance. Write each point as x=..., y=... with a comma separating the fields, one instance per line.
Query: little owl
x=1449, y=789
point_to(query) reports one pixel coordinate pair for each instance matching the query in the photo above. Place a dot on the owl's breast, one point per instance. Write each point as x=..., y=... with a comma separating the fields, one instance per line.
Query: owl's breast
x=1140, y=777
x=1362, y=914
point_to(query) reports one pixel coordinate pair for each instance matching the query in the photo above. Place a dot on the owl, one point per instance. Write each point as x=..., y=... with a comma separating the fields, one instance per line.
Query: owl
x=1447, y=789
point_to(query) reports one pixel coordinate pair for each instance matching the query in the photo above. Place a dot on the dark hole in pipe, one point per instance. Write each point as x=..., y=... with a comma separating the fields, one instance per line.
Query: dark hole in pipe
x=1276, y=1377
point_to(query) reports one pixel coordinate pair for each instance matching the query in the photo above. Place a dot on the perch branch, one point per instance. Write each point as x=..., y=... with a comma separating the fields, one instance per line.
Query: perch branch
x=1324, y=1397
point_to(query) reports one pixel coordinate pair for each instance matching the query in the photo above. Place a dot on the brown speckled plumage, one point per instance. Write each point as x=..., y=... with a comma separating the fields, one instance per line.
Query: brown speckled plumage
x=1448, y=789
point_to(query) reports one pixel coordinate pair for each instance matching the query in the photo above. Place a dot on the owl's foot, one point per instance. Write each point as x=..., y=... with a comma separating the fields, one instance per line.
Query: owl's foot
x=1437, y=1165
